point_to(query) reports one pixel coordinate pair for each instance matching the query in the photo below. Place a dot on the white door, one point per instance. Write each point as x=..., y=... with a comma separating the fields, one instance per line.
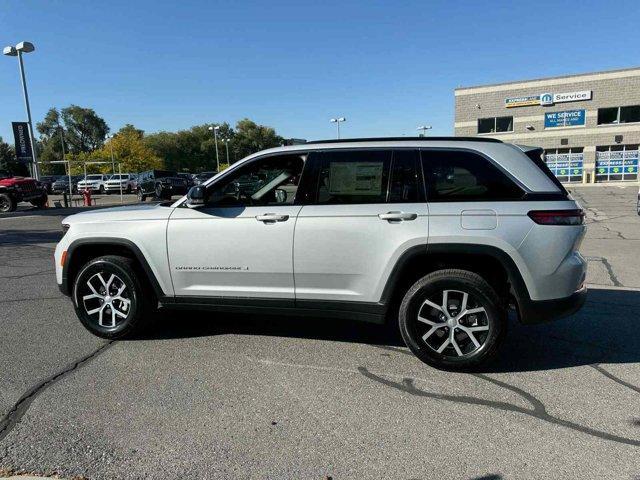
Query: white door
x=369, y=209
x=240, y=243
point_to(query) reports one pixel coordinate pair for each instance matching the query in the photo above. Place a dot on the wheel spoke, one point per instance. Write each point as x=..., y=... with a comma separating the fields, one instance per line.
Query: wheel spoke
x=95, y=310
x=426, y=320
x=465, y=298
x=431, y=330
x=445, y=299
x=480, y=328
x=113, y=316
x=455, y=344
x=93, y=290
x=90, y=296
x=475, y=310
x=444, y=345
x=471, y=336
x=432, y=305
x=104, y=284
x=110, y=282
x=100, y=317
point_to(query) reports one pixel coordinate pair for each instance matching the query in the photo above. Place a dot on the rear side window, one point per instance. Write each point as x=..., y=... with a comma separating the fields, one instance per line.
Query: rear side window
x=353, y=176
x=463, y=176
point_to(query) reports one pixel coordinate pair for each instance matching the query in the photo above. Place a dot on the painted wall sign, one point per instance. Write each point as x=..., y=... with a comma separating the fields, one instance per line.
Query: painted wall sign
x=568, y=118
x=547, y=99
x=522, y=101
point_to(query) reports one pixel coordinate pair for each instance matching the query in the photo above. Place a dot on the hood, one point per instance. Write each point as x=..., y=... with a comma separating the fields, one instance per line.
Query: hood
x=118, y=214
x=12, y=181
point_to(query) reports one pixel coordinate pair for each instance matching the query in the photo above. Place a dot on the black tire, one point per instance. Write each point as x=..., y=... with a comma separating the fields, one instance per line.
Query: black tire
x=141, y=196
x=487, y=327
x=101, y=189
x=99, y=273
x=128, y=189
x=41, y=202
x=160, y=192
x=7, y=203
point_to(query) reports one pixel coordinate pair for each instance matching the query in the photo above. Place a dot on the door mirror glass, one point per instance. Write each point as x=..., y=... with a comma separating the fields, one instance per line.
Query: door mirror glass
x=281, y=195
x=196, y=196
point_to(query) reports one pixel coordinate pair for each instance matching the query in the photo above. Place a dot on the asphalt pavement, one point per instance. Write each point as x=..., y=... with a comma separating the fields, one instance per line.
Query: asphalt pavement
x=235, y=396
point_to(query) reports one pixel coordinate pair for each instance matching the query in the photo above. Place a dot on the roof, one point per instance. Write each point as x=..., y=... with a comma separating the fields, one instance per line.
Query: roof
x=406, y=139
x=559, y=77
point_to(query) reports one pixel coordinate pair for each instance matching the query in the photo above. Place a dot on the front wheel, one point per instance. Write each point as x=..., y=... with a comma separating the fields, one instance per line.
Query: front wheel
x=7, y=203
x=109, y=298
x=101, y=189
x=452, y=319
x=141, y=196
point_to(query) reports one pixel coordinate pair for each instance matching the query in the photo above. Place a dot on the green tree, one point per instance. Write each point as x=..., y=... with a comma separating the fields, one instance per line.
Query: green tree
x=250, y=137
x=130, y=150
x=9, y=162
x=84, y=130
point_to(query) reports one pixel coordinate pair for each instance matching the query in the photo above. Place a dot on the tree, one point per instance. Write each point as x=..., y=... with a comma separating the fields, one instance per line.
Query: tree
x=250, y=138
x=85, y=131
x=9, y=162
x=50, y=143
x=131, y=151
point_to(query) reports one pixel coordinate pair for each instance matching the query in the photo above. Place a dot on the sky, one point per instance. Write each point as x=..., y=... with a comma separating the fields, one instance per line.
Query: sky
x=388, y=67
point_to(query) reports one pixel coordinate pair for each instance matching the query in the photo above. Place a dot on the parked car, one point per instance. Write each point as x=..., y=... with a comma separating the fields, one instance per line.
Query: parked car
x=94, y=182
x=439, y=235
x=200, y=178
x=188, y=177
x=47, y=181
x=62, y=184
x=14, y=190
x=161, y=184
x=115, y=182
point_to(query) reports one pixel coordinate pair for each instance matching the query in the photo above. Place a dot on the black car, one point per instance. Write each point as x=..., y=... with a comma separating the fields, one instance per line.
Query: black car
x=203, y=177
x=47, y=182
x=62, y=184
x=188, y=177
x=161, y=184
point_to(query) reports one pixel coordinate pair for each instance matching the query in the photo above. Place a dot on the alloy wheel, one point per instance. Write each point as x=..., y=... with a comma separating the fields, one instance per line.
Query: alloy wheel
x=453, y=323
x=105, y=299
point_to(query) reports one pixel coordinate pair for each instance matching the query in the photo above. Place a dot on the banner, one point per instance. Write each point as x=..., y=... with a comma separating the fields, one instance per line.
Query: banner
x=22, y=139
x=569, y=118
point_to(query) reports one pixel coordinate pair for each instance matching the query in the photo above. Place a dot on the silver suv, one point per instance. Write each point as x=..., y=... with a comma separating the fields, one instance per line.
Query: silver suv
x=442, y=235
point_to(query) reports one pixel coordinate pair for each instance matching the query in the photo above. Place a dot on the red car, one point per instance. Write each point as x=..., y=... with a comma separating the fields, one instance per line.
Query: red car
x=19, y=189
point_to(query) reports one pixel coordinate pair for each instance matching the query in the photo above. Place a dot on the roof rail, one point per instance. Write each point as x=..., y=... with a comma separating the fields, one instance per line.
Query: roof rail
x=412, y=139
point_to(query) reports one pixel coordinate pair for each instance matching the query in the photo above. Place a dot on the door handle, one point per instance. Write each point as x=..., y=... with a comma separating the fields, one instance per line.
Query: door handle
x=397, y=216
x=272, y=217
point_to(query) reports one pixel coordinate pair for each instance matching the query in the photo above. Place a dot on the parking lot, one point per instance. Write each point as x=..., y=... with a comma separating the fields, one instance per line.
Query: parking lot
x=220, y=396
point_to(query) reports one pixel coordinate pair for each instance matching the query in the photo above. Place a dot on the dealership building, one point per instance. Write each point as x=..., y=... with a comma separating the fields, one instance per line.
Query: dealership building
x=588, y=124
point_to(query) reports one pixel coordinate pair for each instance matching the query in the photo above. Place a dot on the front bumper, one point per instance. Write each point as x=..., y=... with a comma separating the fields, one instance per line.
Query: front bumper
x=540, y=311
x=115, y=188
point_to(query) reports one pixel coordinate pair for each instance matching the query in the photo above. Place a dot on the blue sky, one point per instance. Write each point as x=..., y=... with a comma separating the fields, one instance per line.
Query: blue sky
x=386, y=66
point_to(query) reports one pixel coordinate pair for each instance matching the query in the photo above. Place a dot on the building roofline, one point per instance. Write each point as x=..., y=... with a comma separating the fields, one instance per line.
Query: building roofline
x=574, y=75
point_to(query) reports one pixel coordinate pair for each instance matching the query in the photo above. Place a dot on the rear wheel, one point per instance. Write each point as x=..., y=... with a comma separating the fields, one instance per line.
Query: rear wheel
x=109, y=298
x=7, y=203
x=141, y=196
x=452, y=319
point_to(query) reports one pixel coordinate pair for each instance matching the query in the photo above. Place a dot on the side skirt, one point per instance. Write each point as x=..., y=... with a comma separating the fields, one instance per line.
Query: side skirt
x=365, y=312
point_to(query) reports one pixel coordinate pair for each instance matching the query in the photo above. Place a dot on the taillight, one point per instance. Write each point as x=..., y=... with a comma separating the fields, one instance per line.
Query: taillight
x=557, y=217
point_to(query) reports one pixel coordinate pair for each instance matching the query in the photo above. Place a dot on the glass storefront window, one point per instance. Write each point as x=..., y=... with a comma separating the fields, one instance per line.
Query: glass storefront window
x=565, y=163
x=616, y=163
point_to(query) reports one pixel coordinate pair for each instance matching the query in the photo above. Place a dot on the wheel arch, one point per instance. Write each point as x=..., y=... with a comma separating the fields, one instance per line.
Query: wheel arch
x=492, y=263
x=82, y=250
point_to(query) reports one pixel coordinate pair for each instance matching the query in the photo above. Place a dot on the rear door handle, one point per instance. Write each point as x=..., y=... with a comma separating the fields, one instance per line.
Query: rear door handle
x=272, y=217
x=397, y=216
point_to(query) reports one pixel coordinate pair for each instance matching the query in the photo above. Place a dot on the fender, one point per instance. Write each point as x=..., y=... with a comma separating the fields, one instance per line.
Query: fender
x=513, y=273
x=65, y=288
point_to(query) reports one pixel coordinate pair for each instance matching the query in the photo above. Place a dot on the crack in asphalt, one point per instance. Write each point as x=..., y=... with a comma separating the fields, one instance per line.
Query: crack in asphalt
x=609, y=268
x=539, y=410
x=13, y=417
x=24, y=275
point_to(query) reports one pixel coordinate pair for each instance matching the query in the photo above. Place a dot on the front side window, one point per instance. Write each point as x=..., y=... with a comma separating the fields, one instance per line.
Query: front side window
x=268, y=181
x=353, y=177
x=462, y=176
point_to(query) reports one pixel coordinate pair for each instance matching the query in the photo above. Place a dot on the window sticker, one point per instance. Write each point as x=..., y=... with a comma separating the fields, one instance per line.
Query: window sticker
x=355, y=178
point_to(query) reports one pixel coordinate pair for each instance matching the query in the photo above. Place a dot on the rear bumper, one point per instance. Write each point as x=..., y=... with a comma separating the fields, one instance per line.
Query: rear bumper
x=539, y=311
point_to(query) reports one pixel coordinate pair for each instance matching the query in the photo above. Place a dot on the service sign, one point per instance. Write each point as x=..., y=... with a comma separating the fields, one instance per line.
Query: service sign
x=522, y=101
x=569, y=118
x=572, y=96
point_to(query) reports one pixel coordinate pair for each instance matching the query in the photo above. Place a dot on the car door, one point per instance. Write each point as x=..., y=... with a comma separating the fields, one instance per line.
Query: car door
x=240, y=243
x=367, y=210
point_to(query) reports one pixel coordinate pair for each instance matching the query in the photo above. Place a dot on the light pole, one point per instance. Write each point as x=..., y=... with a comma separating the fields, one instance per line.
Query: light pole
x=424, y=129
x=215, y=136
x=113, y=163
x=337, y=122
x=226, y=144
x=17, y=51
x=61, y=130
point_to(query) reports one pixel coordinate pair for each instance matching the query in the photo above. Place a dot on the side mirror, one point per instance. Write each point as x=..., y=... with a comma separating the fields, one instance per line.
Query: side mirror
x=196, y=196
x=281, y=195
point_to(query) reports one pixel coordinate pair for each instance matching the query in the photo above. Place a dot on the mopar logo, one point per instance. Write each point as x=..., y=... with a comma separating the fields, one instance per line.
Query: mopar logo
x=546, y=99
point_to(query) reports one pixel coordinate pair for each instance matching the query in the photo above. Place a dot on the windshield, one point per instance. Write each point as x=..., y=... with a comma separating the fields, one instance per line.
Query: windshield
x=119, y=177
x=94, y=177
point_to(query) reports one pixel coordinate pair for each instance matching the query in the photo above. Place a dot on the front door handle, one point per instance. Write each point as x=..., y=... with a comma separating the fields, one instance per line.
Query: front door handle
x=272, y=218
x=397, y=216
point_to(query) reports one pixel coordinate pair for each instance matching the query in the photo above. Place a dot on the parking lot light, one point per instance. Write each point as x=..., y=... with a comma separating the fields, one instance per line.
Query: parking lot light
x=337, y=121
x=424, y=129
x=215, y=129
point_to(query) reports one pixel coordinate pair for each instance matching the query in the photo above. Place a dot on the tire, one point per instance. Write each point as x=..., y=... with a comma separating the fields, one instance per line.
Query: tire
x=128, y=189
x=101, y=189
x=437, y=338
x=118, y=319
x=41, y=202
x=141, y=196
x=7, y=203
x=159, y=192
